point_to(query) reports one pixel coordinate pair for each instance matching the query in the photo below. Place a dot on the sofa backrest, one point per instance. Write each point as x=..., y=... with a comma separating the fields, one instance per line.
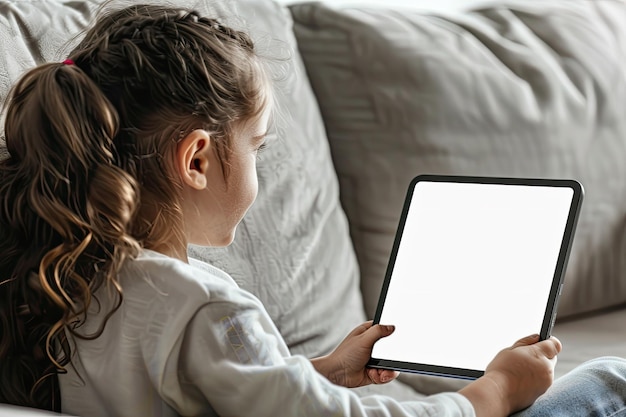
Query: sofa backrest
x=515, y=88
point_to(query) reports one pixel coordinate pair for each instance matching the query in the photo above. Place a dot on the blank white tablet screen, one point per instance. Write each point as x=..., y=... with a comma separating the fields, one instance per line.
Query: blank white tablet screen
x=473, y=271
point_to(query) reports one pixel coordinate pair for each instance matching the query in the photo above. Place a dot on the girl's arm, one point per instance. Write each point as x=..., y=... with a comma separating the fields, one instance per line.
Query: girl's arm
x=515, y=378
x=231, y=359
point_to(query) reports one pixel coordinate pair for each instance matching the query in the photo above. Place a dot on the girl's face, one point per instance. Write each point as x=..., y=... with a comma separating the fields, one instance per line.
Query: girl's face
x=222, y=204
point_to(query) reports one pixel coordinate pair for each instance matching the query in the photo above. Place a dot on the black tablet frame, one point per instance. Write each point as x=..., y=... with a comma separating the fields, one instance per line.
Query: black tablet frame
x=557, y=282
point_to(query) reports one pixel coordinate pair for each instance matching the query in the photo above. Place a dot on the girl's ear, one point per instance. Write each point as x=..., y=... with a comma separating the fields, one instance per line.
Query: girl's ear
x=192, y=158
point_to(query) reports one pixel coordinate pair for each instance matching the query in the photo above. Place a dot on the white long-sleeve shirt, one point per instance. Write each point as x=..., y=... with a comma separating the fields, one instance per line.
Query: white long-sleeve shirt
x=188, y=341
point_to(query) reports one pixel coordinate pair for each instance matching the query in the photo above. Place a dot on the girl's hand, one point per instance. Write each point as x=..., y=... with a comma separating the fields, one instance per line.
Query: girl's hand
x=515, y=378
x=346, y=364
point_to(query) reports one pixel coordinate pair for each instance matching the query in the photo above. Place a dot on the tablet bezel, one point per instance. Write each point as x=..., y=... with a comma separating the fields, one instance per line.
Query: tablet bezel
x=557, y=281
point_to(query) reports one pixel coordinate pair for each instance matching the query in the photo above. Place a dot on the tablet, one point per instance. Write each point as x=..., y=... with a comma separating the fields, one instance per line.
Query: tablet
x=477, y=263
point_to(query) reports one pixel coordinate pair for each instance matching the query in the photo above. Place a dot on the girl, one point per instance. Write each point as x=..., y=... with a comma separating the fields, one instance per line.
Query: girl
x=143, y=141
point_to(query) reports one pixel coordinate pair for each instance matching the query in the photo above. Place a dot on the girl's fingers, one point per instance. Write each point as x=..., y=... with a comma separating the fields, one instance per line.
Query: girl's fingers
x=375, y=333
x=550, y=347
x=361, y=328
x=525, y=341
x=381, y=376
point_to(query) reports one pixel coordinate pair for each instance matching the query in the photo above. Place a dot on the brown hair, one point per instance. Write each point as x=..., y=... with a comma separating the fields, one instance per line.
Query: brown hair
x=88, y=179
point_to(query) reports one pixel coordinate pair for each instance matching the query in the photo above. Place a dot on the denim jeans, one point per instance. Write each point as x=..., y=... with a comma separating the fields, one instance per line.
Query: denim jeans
x=596, y=388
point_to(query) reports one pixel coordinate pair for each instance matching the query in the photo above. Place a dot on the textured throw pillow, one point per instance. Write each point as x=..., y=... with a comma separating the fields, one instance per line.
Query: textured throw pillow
x=293, y=248
x=533, y=89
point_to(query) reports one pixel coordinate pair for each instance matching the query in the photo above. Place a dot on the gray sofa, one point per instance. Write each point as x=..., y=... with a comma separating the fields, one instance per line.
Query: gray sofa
x=370, y=97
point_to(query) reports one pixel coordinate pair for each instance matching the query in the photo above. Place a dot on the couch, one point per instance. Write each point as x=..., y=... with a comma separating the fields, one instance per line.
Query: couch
x=368, y=98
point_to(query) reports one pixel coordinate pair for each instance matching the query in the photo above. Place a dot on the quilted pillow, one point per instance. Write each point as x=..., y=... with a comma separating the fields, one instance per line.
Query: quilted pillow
x=293, y=248
x=517, y=88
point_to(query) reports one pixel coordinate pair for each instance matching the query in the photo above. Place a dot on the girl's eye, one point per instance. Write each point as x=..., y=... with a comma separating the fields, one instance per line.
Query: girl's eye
x=260, y=149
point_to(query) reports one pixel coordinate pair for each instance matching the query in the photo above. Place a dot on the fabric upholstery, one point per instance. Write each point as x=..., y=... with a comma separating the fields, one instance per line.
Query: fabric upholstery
x=532, y=89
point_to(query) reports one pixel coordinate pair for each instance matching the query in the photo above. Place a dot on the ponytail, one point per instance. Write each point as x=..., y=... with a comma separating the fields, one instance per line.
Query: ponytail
x=65, y=209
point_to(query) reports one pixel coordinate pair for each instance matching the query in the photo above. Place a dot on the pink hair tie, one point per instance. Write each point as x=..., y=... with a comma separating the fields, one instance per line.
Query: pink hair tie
x=68, y=62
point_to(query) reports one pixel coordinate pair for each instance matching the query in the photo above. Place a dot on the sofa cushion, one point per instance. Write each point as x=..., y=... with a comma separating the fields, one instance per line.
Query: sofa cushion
x=588, y=337
x=517, y=88
x=293, y=248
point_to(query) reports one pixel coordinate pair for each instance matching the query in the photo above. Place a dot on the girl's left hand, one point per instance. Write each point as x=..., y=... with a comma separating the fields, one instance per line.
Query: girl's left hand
x=346, y=365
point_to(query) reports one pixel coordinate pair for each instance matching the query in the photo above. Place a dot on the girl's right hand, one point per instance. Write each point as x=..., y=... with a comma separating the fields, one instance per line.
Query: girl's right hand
x=515, y=378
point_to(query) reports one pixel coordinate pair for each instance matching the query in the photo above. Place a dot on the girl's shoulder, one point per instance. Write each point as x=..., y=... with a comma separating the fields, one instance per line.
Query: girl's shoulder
x=156, y=263
x=157, y=278
x=161, y=295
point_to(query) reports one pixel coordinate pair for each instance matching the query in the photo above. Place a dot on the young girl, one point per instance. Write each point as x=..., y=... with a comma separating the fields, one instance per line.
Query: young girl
x=143, y=141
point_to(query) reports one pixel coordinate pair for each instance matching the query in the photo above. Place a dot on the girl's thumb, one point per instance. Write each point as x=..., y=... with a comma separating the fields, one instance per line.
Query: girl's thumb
x=379, y=331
